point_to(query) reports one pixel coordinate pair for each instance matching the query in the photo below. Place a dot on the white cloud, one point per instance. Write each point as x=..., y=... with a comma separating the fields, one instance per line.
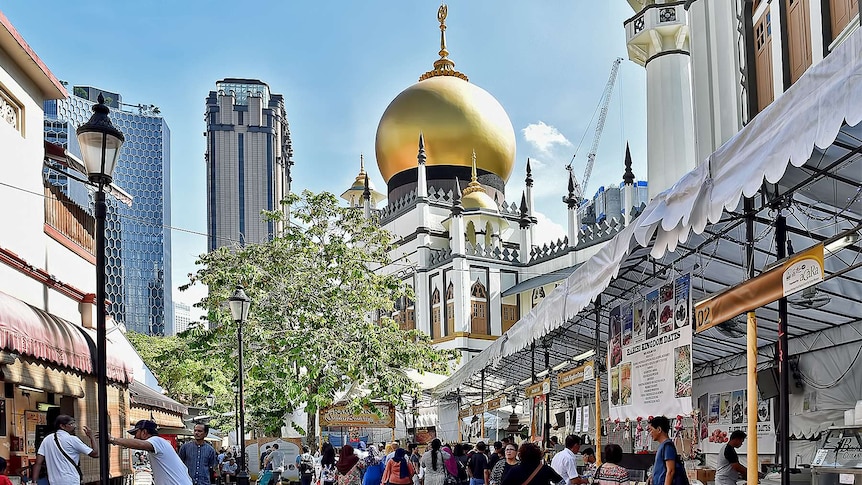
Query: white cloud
x=547, y=231
x=544, y=137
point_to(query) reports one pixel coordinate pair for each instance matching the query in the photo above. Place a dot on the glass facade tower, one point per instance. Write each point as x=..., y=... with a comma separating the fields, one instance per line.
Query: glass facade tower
x=138, y=237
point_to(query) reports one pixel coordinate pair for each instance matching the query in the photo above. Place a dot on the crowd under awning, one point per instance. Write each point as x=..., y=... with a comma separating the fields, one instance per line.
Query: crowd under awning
x=805, y=147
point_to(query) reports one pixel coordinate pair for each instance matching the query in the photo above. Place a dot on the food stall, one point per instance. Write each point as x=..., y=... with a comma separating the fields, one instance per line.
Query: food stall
x=839, y=459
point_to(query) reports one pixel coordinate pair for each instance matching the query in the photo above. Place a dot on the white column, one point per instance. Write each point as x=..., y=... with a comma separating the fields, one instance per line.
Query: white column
x=628, y=202
x=658, y=39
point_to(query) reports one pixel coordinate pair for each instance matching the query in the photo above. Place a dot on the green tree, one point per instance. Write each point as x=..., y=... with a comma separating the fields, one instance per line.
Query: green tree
x=189, y=367
x=310, y=334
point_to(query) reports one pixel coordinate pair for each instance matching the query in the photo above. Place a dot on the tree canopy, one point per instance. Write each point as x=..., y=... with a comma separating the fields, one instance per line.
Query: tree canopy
x=310, y=334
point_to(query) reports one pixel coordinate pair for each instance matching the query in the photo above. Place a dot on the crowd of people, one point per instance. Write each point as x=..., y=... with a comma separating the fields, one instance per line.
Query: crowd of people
x=385, y=464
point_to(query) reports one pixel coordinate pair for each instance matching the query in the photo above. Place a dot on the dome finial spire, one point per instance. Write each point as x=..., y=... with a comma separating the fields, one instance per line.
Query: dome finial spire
x=361, y=163
x=441, y=17
x=443, y=66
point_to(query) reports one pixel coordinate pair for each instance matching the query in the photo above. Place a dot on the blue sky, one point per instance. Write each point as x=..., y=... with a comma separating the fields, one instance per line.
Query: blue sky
x=338, y=65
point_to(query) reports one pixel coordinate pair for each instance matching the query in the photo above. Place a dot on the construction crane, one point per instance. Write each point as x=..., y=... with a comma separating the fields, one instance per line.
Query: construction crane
x=600, y=125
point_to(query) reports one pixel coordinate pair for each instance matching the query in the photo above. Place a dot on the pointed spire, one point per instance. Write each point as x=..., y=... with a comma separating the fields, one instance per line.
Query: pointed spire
x=366, y=193
x=443, y=66
x=525, y=216
x=572, y=199
x=628, y=175
x=529, y=179
x=361, y=163
x=421, y=157
x=457, y=208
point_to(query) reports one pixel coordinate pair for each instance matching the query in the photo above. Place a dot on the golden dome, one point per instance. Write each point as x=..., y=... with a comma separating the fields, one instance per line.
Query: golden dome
x=455, y=117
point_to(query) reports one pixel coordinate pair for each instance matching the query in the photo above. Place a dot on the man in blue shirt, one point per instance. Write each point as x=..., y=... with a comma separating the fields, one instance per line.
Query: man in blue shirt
x=199, y=456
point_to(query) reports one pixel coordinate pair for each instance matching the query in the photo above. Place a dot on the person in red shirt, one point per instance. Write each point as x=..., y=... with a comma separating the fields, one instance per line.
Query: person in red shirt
x=4, y=480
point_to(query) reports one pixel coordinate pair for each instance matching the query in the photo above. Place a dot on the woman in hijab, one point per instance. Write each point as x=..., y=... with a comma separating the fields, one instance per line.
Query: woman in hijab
x=432, y=461
x=399, y=471
x=374, y=467
x=451, y=462
x=349, y=467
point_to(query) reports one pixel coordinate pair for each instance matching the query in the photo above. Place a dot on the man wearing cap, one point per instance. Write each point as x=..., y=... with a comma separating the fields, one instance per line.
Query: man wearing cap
x=167, y=467
x=61, y=451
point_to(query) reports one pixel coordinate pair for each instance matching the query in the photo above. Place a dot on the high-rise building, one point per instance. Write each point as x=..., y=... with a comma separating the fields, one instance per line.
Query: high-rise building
x=138, y=238
x=182, y=316
x=248, y=159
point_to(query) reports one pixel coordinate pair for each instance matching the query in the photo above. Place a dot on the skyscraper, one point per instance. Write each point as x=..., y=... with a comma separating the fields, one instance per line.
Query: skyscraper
x=138, y=238
x=248, y=159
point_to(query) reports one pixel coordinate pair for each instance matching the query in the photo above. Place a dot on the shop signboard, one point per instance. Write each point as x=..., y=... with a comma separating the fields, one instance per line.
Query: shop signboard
x=796, y=273
x=538, y=389
x=368, y=417
x=649, y=361
x=537, y=422
x=584, y=372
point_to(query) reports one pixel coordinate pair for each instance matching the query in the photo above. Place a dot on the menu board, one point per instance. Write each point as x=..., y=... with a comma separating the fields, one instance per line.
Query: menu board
x=649, y=353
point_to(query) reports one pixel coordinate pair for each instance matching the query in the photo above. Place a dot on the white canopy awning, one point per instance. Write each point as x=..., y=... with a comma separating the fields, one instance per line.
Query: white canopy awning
x=813, y=127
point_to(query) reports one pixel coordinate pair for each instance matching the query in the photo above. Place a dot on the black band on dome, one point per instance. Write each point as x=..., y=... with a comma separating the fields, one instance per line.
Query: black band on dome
x=443, y=177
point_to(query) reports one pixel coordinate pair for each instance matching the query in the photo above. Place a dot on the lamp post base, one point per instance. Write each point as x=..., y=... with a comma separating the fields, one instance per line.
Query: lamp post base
x=242, y=478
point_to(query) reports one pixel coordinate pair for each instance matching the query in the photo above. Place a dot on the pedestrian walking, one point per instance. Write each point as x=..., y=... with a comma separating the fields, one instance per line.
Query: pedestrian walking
x=199, y=456
x=433, y=462
x=168, y=469
x=349, y=467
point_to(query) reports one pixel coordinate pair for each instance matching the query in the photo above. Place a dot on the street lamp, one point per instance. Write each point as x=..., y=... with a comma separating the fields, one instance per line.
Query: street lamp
x=100, y=143
x=210, y=400
x=239, y=306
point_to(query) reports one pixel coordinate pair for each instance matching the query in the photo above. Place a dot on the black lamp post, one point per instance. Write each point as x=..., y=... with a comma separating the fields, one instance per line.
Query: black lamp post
x=100, y=143
x=239, y=306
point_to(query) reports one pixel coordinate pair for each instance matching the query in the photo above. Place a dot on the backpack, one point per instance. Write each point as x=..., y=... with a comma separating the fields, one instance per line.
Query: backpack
x=679, y=475
x=306, y=466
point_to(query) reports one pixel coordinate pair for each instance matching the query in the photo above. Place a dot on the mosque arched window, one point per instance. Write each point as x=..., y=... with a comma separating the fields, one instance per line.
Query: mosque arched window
x=450, y=309
x=538, y=295
x=435, y=314
x=479, y=309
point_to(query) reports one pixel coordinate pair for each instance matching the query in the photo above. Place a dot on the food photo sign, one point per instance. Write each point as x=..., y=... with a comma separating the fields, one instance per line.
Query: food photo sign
x=649, y=353
x=727, y=412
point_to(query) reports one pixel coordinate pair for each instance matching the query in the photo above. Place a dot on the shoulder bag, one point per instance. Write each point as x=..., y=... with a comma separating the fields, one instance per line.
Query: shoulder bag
x=77, y=468
x=533, y=475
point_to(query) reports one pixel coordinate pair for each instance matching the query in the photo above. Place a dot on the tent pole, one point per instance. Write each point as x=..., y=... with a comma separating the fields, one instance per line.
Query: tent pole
x=482, y=405
x=783, y=374
x=596, y=367
x=547, y=431
x=752, y=464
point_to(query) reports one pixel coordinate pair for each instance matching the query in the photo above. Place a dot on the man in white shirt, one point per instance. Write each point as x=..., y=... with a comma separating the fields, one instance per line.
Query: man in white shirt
x=61, y=451
x=566, y=462
x=167, y=467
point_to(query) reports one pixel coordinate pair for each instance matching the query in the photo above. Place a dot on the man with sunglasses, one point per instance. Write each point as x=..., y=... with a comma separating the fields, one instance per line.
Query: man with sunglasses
x=61, y=451
x=167, y=467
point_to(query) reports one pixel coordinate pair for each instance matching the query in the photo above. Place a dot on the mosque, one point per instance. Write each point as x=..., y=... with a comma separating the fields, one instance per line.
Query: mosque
x=446, y=149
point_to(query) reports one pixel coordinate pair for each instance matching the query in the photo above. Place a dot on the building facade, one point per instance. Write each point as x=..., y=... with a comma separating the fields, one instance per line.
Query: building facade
x=248, y=158
x=469, y=250
x=139, y=215
x=182, y=316
x=713, y=66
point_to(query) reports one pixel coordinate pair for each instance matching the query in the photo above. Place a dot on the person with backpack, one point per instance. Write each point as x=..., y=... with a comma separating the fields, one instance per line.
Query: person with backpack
x=668, y=468
x=61, y=451
x=305, y=465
